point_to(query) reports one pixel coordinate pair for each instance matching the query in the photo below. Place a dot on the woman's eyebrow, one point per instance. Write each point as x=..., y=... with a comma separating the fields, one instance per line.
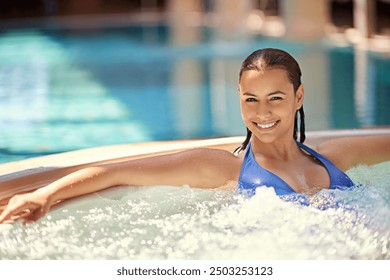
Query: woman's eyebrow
x=276, y=92
x=271, y=93
x=249, y=94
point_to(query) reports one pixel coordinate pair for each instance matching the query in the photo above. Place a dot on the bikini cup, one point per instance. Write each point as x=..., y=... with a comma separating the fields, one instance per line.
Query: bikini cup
x=253, y=175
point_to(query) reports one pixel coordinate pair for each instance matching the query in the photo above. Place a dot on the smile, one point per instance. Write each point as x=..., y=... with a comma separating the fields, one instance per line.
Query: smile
x=266, y=125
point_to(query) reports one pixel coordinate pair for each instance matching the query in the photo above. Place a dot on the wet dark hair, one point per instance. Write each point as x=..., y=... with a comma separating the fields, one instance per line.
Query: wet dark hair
x=274, y=58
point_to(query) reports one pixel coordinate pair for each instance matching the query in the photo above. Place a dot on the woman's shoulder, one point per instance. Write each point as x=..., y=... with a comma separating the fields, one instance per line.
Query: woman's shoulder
x=336, y=150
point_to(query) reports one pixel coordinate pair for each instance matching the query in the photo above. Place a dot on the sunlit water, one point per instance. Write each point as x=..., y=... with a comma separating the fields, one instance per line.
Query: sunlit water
x=185, y=223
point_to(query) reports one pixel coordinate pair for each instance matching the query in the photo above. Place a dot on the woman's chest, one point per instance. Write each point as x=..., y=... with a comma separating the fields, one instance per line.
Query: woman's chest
x=306, y=176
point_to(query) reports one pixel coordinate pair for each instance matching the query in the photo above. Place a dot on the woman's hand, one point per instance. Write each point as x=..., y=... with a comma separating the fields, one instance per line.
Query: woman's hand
x=30, y=207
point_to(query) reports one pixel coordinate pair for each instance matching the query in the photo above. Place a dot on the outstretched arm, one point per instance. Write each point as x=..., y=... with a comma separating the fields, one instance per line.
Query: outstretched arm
x=347, y=152
x=199, y=168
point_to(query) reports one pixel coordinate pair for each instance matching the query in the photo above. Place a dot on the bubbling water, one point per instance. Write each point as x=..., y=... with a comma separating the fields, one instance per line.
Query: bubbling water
x=166, y=222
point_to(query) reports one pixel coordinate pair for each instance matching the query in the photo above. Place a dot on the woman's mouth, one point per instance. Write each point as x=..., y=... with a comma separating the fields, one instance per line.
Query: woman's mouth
x=266, y=125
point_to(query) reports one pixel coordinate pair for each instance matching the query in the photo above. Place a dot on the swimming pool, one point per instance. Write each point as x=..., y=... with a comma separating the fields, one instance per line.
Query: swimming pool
x=64, y=89
x=164, y=222
x=70, y=89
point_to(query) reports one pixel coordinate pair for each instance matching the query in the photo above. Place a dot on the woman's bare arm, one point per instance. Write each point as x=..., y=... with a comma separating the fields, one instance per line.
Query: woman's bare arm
x=347, y=152
x=199, y=168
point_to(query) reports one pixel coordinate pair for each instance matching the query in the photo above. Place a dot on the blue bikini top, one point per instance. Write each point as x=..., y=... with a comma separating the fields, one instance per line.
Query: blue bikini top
x=253, y=175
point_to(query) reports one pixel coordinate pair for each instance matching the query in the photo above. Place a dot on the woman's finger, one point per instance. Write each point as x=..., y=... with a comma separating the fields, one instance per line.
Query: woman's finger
x=16, y=207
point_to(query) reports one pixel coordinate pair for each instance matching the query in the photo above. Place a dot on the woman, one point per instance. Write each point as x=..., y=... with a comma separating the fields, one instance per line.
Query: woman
x=271, y=97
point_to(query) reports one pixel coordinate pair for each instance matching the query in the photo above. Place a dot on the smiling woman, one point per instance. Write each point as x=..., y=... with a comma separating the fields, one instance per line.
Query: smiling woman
x=271, y=96
x=268, y=98
x=283, y=72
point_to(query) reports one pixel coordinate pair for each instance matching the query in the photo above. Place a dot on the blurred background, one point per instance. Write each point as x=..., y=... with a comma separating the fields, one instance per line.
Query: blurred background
x=78, y=74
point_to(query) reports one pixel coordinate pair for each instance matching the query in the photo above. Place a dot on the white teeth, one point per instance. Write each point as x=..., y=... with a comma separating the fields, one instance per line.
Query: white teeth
x=267, y=125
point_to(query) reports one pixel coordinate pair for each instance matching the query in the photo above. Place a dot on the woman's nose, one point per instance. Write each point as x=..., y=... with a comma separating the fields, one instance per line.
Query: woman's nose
x=263, y=111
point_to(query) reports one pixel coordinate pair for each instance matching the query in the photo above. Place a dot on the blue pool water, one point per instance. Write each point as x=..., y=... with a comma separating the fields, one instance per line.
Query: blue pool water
x=63, y=89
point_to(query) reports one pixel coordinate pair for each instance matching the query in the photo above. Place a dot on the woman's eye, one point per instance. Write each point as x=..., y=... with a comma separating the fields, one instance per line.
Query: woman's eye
x=250, y=99
x=276, y=98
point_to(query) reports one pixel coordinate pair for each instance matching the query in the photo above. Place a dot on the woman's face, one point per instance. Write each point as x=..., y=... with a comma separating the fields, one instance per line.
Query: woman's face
x=268, y=103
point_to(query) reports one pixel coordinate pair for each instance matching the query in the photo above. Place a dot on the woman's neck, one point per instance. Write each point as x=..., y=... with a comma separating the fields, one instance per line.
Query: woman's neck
x=277, y=150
